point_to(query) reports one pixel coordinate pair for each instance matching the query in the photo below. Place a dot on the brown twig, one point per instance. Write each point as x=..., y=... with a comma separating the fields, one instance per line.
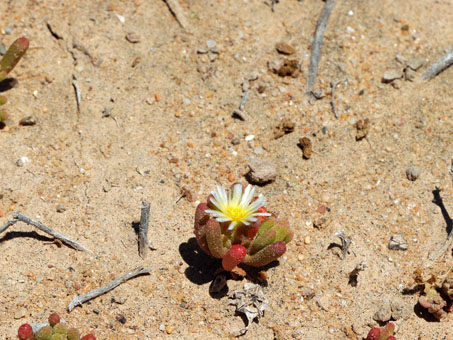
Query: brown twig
x=178, y=13
x=332, y=100
x=439, y=66
x=317, y=44
x=79, y=300
x=143, y=243
x=19, y=217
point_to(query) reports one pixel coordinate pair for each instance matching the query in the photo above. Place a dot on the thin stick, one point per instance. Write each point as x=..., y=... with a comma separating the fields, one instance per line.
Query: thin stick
x=334, y=107
x=178, y=13
x=19, y=217
x=345, y=242
x=78, y=300
x=439, y=66
x=77, y=92
x=143, y=243
x=243, y=100
x=317, y=44
x=8, y=224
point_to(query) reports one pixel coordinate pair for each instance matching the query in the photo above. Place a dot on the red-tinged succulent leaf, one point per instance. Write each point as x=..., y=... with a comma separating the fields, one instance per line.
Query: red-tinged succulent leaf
x=262, y=241
x=391, y=338
x=13, y=55
x=214, y=238
x=25, y=332
x=266, y=255
x=88, y=337
x=54, y=318
x=233, y=257
x=201, y=217
x=73, y=334
x=390, y=327
x=373, y=334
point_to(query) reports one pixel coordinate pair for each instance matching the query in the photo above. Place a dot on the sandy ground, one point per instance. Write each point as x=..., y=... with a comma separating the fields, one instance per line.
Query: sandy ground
x=156, y=116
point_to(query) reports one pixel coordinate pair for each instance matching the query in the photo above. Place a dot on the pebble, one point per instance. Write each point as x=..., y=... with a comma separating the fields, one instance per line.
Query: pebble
x=324, y=302
x=284, y=48
x=211, y=44
x=262, y=171
x=133, y=37
x=384, y=312
x=326, y=198
x=306, y=146
x=415, y=63
x=409, y=74
x=2, y=49
x=236, y=141
x=397, y=83
x=186, y=101
x=28, y=121
x=8, y=30
x=60, y=208
x=397, y=242
x=307, y=239
x=20, y=313
x=412, y=173
x=391, y=75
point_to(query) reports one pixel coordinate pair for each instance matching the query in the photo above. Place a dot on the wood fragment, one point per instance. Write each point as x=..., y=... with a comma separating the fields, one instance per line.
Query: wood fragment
x=178, y=13
x=332, y=100
x=317, y=44
x=79, y=300
x=345, y=242
x=440, y=65
x=245, y=95
x=143, y=243
x=77, y=91
x=66, y=240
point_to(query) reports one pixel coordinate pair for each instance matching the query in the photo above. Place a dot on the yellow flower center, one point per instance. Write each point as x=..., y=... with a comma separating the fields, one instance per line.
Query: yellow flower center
x=236, y=213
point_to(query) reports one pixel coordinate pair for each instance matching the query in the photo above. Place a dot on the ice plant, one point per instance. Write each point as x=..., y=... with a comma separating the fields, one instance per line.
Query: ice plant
x=236, y=227
x=9, y=60
x=384, y=333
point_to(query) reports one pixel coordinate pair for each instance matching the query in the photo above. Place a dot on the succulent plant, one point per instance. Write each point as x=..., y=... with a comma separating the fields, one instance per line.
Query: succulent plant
x=234, y=227
x=384, y=333
x=9, y=60
x=54, y=331
x=25, y=332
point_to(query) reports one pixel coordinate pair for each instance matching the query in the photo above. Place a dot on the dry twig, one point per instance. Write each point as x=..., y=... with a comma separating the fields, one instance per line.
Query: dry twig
x=439, y=66
x=78, y=300
x=77, y=92
x=345, y=242
x=317, y=44
x=334, y=107
x=66, y=240
x=143, y=243
x=178, y=13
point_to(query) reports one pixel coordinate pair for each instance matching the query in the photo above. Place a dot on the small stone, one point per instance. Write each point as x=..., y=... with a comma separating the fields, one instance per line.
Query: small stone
x=186, y=101
x=307, y=239
x=305, y=144
x=211, y=44
x=326, y=197
x=20, y=313
x=212, y=57
x=261, y=88
x=284, y=67
x=121, y=319
x=2, y=49
x=162, y=327
x=397, y=83
x=409, y=74
x=133, y=37
x=27, y=121
x=60, y=208
x=235, y=141
x=384, y=312
x=284, y=127
x=362, y=127
x=415, y=63
x=391, y=75
x=412, y=173
x=8, y=30
x=397, y=242
x=262, y=171
x=318, y=93
x=285, y=48
x=401, y=59
x=324, y=302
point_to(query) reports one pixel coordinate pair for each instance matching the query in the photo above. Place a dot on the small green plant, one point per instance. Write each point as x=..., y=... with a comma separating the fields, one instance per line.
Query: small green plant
x=54, y=331
x=15, y=52
x=234, y=227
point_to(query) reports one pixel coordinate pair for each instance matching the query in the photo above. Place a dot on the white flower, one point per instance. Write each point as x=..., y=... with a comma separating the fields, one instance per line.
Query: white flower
x=236, y=206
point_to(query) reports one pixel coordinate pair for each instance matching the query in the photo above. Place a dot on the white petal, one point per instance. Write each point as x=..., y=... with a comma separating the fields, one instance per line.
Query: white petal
x=237, y=193
x=232, y=225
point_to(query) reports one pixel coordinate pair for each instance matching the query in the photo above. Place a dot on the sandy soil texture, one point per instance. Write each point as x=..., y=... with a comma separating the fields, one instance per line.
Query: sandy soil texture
x=156, y=120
